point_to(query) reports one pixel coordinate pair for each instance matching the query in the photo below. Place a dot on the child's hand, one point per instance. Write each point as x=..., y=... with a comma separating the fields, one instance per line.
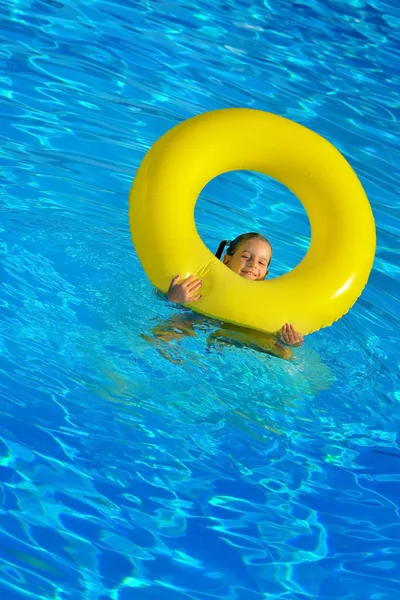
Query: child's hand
x=290, y=336
x=185, y=291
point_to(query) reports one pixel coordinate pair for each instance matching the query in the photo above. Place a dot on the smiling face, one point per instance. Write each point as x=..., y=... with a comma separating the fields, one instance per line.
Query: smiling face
x=250, y=260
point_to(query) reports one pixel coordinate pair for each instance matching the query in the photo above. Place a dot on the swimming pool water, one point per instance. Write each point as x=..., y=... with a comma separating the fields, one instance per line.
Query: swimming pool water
x=135, y=469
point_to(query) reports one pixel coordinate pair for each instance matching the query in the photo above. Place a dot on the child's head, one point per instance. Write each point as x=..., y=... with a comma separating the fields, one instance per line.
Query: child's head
x=248, y=255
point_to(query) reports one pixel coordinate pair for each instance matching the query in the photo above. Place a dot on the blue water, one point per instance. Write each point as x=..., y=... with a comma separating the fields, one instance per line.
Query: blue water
x=135, y=469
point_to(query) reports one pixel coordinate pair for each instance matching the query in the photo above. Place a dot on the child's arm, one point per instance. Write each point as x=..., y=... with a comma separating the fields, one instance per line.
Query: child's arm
x=184, y=291
x=289, y=336
x=176, y=327
x=234, y=335
x=180, y=325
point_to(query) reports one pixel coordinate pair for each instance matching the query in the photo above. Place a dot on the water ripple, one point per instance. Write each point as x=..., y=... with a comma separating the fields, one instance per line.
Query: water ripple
x=130, y=467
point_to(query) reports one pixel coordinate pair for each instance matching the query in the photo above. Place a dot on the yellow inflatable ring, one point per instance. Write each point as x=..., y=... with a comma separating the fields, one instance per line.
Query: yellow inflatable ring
x=332, y=275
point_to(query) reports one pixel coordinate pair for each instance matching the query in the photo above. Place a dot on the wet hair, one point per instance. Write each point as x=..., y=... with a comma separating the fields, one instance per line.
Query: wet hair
x=233, y=245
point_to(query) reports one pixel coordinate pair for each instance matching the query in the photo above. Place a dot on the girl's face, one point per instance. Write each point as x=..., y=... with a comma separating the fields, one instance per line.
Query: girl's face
x=250, y=260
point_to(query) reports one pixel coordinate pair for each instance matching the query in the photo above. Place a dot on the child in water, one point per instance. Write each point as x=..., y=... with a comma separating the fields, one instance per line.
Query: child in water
x=249, y=256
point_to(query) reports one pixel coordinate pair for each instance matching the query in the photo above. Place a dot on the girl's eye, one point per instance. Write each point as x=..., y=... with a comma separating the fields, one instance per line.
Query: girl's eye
x=262, y=263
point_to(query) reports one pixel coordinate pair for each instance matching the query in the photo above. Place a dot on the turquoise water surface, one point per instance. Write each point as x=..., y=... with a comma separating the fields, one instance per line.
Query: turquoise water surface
x=132, y=468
